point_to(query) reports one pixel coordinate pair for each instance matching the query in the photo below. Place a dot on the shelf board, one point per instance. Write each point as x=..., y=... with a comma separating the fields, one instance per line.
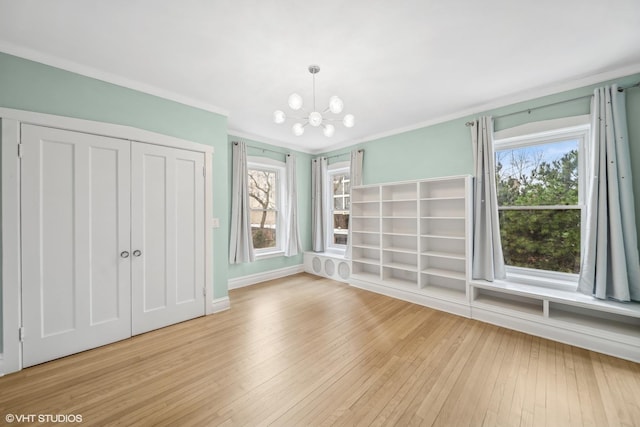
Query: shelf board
x=410, y=199
x=369, y=277
x=451, y=274
x=386, y=233
x=512, y=305
x=399, y=217
x=445, y=293
x=365, y=216
x=365, y=246
x=441, y=198
x=444, y=255
x=365, y=232
x=401, y=250
x=364, y=201
x=593, y=322
x=443, y=217
x=370, y=261
x=401, y=266
x=401, y=283
x=439, y=236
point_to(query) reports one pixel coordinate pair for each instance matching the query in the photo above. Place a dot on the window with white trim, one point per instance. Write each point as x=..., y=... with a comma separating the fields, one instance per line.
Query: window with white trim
x=338, y=206
x=540, y=186
x=266, y=198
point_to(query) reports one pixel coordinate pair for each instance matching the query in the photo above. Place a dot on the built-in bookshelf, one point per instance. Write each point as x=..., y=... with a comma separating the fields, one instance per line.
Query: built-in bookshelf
x=411, y=237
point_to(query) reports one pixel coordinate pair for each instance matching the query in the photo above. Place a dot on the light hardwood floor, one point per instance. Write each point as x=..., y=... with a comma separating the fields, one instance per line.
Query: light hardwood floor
x=310, y=351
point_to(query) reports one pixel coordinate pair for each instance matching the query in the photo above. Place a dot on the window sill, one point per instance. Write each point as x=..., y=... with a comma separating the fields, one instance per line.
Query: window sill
x=267, y=255
x=565, y=285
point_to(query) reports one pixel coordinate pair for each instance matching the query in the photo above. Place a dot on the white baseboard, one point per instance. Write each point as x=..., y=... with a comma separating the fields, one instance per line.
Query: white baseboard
x=220, y=304
x=252, y=279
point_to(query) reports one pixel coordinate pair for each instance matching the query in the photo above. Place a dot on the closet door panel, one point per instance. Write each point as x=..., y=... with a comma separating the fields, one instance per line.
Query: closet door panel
x=168, y=230
x=75, y=223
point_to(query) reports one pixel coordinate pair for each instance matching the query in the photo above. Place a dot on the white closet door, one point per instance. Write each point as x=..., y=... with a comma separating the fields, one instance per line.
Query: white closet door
x=75, y=225
x=167, y=236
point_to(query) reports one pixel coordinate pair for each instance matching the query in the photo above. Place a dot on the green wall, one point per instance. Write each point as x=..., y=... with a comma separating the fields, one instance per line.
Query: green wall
x=27, y=85
x=303, y=175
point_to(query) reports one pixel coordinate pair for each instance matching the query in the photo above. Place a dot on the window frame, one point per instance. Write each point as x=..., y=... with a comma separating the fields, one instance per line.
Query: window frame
x=272, y=165
x=338, y=168
x=581, y=133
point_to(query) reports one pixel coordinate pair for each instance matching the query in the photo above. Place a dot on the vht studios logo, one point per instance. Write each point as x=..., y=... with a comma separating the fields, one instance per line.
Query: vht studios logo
x=43, y=418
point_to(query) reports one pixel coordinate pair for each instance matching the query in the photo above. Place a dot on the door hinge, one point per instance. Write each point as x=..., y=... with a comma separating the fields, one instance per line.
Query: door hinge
x=19, y=151
x=21, y=334
x=204, y=292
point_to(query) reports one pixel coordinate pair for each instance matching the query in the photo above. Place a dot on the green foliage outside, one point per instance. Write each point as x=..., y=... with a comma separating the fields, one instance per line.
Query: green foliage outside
x=547, y=239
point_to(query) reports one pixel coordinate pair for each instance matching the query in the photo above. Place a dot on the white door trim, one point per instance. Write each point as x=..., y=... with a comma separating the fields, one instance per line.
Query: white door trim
x=11, y=120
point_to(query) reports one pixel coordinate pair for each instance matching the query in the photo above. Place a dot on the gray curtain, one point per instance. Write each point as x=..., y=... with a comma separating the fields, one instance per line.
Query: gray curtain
x=292, y=244
x=488, y=261
x=318, y=208
x=355, y=178
x=610, y=266
x=241, y=240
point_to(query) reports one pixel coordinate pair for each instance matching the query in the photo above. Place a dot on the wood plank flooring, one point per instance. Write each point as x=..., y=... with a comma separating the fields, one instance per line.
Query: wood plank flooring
x=310, y=351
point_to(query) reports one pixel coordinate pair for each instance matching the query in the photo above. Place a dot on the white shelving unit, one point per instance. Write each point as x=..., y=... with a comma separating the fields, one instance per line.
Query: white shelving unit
x=410, y=241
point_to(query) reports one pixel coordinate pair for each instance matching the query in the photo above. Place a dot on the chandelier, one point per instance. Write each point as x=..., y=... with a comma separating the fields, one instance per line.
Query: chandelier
x=315, y=118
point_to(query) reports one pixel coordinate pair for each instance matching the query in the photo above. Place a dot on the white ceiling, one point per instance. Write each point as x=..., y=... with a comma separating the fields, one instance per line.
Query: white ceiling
x=396, y=65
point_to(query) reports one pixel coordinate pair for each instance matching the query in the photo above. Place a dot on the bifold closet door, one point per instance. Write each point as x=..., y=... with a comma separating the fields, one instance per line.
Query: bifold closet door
x=167, y=236
x=76, y=273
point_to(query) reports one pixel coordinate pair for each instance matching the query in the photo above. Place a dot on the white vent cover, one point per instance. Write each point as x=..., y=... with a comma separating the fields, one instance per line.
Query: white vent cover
x=330, y=266
x=317, y=265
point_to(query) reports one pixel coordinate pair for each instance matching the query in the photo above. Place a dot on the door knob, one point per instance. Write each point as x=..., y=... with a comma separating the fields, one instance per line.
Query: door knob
x=137, y=253
x=124, y=254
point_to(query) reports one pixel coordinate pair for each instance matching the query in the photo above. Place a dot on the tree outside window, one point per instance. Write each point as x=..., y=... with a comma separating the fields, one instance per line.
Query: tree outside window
x=539, y=205
x=263, y=206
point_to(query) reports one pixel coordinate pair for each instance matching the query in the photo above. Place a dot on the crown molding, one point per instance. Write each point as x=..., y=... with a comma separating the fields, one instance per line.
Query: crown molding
x=74, y=67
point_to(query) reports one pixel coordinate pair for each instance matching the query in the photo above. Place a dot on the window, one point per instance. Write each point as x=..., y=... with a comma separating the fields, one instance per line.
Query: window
x=266, y=180
x=540, y=185
x=338, y=206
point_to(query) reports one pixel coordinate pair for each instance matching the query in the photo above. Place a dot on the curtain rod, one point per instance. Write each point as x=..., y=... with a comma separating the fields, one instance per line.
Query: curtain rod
x=337, y=155
x=529, y=110
x=264, y=149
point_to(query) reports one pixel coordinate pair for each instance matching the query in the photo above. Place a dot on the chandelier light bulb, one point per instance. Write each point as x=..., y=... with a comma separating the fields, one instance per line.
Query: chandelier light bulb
x=298, y=129
x=315, y=119
x=295, y=101
x=336, y=105
x=329, y=130
x=348, y=120
x=279, y=116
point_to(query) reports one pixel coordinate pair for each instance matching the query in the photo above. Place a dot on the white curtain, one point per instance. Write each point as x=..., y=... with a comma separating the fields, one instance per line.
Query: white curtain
x=318, y=208
x=355, y=177
x=610, y=266
x=241, y=240
x=488, y=260
x=292, y=244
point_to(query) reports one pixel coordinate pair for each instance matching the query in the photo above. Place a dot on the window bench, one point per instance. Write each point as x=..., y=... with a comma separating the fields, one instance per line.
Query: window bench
x=608, y=327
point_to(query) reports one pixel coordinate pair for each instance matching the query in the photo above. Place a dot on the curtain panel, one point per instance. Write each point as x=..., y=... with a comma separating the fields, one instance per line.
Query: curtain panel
x=318, y=208
x=610, y=265
x=488, y=260
x=292, y=244
x=355, y=177
x=241, y=239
